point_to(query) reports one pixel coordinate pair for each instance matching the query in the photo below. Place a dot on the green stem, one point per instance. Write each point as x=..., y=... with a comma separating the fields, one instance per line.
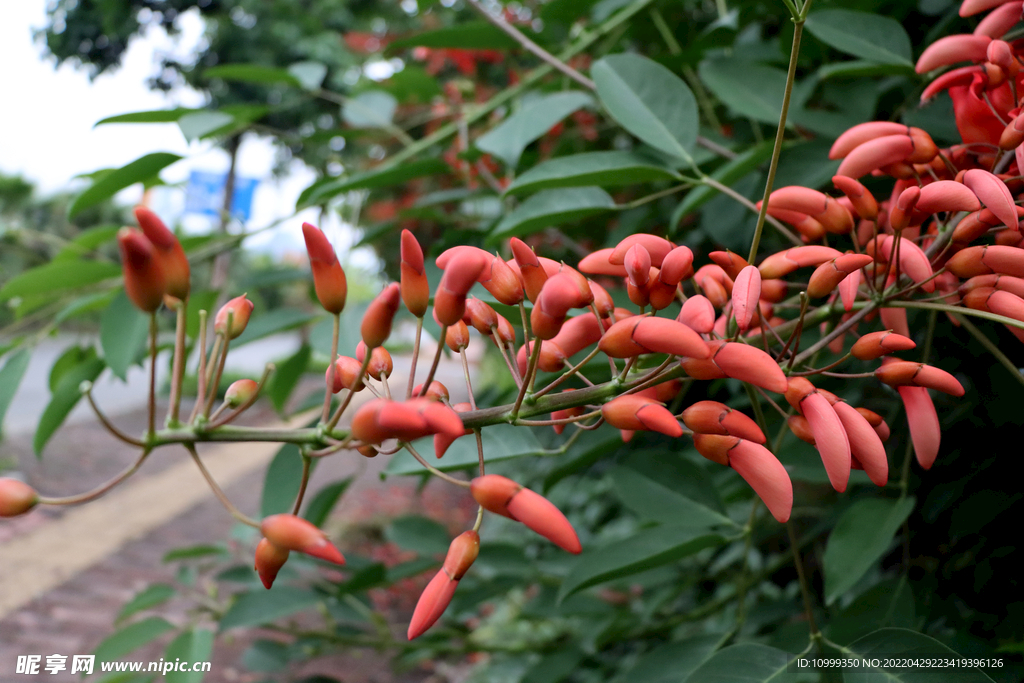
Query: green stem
x=178, y=368
x=331, y=369
x=415, y=356
x=152, y=374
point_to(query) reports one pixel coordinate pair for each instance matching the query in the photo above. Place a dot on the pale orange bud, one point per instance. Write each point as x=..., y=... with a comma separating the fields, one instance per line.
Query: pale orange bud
x=240, y=392
x=829, y=438
x=144, y=281
x=505, y=332
x=901, y=212
x=993, y=193
x=984, y=260
x=376, y=326
x=925, y=148
x=860, y=197
x=902, y=373
x=289, y=532
x=827, y=276
x=269, y=560
x=459, y=276
x=947, y=195
x=436, y=391
x=878, y=344
x=817, y=205
x=712, y=417
x=633, y=336
x=1013, y=134
x=168, y=252
x=442, y=440
x=434, y=600
x=586, y=293
x=729, y=262
x=239, y=309
x=552, y=357
x=481, y=316
x=952, y=49
x=381, y=364
x=698, y=314
x=462, y=553
x=766, y=475
x=677, y=266
x=502, y=282
x=875, y=154
x=745, y=295
x=457, y=336
x=640, y=413
x=367, y=450
x=751, y=364
x=715, y=447
x=597, y=263
x=346, y=375
x=801, y=428
x=659, y=295
x=578, y=333
x=863, y=132
x=415, y=289
x=16, y=497
x=505, y=497
x=785, y=262
x=656, y=247
x=602, y=300
x=328, y=275
x=638, y=266
x=925, y=432
x=865, y=444
x=530, y=268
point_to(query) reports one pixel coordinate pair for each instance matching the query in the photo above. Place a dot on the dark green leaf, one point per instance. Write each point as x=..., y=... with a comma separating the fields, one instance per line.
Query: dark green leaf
x=419, y=534
x=151, y=596
x=194, y=551
x=673, y=662
x=141, y=170
x=265, y=656
x=151, y=116
x=551, y=207
x=669, y=490
x=286, y=377
x=277, y=320
x=649, y=101
x=85, y=304
x=888, y=644
x=860, y=68
x=58, y=277
x=195, y=646
x=265, y=606
x=556, y=666
x=866, y=35
x=745, y=663
x=10, y=378
x=323, y=190
x=727, y=174
x=123, y=333
x=324, y=501
x=501, y=442
x=890, y=603
x=861, y=536
x=64, y=399
x=644, y=550
x=508, y=139
x=470, y=35
x=86, y=242
x=251, y=73
x=281, y=484
x=131, y=637
x=751, y=90
x=604, y=169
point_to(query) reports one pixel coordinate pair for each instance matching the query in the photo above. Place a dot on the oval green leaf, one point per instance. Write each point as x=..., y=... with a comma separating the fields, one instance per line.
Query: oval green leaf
x=57, y=277
x=649, y=101
x=65, y=397
x=751, y=90
x=151, y=596
x=264, y=606
x=194, y=645
x=10, y=378
x=286, y=377
x=861, y=536
x=867, y=35
x=131, y=637
x=509, y=138
x=603, y=169
x=745, y=663
x=123, y=332
x=644, y=550
x=324, y=501
x=143, y=169
x=551, y=207
x=900, y=643
x=251, y=73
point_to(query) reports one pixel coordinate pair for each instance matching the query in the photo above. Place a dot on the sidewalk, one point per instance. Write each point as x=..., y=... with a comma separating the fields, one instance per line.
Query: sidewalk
x=67, y=573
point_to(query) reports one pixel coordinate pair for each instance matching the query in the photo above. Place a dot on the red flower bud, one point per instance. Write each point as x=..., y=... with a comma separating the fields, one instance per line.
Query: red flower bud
x=380, y=365
x=289, y=532
x=269, y=560
x=144, y=280
x=414, y=286
x=328, y=275
x=457, y=336
x=435, y=597
x=459, y=277
x=168, y=252
x=637, y=412
x=379, y=315
x=16, y=497
x=711, y=417
x=346, y=374
x=505, y=497
x=239, y=309
x=435, y=392
x=533, y=273
x=240, y=392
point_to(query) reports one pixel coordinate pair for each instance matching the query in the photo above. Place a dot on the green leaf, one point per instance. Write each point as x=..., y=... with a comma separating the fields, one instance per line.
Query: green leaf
x=419, y=534
x=509, y=138
x=551, y=207
x=194, y=645
x=143, y=169
x=370, y=109
x=192, y=552
x=319, y=192
x=72, y=357
x=251, y=73
x=282, y=481
x=866, y=35
x=277, y=320
x=900, y=643
x=151, y=116
x=85, y=304
x=649, y=101
x=286, y=377
x=752, y=90
x=667, y=489
x=860, y=68
x=151, y=596
x=309, y=74
x=470, y=35
x=644, y=550
x=556, y=666
x=324, y=501
x=727, y=174
x=131, y=637
x=86, y=242
x=65, y=398
x=202, y=123
x=265, y=606
x=862, y=535
x=58, y=277
x=745, y=663
x=604, y=169
x=673, y=662
x=889, y=603
x=123, y=333
x=501, y=442
x=10, y=378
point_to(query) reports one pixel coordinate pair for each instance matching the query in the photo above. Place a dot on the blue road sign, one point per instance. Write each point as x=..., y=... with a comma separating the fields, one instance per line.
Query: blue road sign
x=204, y=194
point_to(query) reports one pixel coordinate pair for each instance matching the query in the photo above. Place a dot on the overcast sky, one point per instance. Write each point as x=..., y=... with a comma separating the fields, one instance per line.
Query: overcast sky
x=47, y=119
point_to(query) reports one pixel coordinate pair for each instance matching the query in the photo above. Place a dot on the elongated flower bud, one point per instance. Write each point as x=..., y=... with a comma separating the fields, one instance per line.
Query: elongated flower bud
x=269, y=560
x=414, y=286
x=381, y=364
x=878, y=344
x=505, y=497
x=240, y=392
x=530, y=267
x=289, y=532
x=460, y=275
x=637, y=412
x=144, y=281
x=328, y=275
x=16, y=497
x=346, y=374
x=434, y=600
x=712, y=417
x=168, y=251
x=457, y=336
x=239, y=309
x=376, y=327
